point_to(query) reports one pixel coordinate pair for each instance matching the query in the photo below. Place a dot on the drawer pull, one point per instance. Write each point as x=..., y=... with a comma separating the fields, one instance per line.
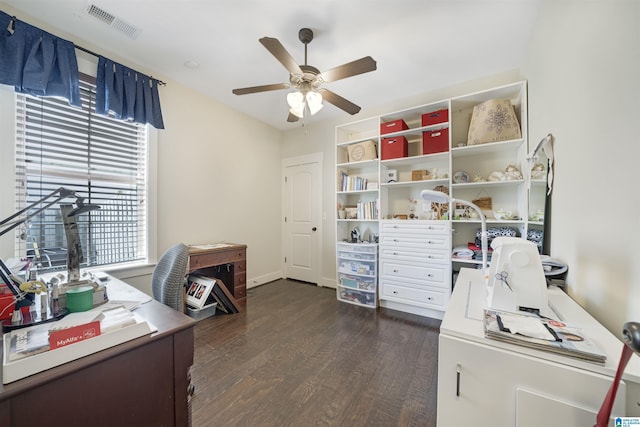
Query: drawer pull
x=395, y=253
x=395, y=292
x=429, y=275
x=429, y=298
x=395, y=270
x=457, y=380
x=395, y=240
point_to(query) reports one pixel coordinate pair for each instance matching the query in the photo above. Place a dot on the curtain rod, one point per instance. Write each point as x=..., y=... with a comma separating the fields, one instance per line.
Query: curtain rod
x=90, y=52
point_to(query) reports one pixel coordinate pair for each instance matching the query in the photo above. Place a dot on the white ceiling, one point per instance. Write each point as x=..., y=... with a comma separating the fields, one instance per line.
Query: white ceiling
x=419, y=45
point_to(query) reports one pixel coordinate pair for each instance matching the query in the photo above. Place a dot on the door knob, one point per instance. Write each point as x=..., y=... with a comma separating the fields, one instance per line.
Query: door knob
x=314, y=229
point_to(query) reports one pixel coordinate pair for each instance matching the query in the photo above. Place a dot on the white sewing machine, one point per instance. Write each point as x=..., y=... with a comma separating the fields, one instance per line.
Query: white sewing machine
x=516, y=277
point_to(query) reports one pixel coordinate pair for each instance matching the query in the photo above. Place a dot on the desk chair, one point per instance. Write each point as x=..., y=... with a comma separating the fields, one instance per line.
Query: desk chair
x=167, y=281
x=167, y=285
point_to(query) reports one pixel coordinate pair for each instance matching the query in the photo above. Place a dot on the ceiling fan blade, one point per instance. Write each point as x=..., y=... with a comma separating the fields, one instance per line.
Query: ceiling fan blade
x=340, y=102
x=292, y=118
x=275, y=47
x=264, y=88
x=359, y=66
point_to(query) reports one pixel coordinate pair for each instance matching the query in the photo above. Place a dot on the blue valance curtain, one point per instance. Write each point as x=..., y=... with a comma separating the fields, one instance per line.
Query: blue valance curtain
x=130, y=95
x=41, y=64
x=36, y=62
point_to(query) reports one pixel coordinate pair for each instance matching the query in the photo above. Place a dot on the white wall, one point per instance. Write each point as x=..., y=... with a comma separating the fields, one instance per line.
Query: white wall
x=219, y=170
x=219, y=179
x=218, y=175
x=582, y=70
x=583, y=86
x=320, y=138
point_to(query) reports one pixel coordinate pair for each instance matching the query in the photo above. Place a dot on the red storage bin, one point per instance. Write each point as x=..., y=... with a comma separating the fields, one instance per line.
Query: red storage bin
x=435, y=141
x=394, y=126
x=393, y=148
x=435, y=117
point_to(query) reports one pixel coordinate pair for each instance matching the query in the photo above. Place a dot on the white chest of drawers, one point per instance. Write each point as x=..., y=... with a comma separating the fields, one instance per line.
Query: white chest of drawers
x=415, y=267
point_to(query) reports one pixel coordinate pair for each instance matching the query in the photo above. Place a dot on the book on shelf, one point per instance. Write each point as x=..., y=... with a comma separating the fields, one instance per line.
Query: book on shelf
x=367, y=210
x=348, y=182
x=544, y=334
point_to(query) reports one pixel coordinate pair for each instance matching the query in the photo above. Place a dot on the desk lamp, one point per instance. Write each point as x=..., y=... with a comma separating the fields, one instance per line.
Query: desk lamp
x=71, y=234
x=434, y=196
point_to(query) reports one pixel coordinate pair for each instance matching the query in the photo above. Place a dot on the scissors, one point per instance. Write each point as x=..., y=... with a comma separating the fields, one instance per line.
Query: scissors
x=502, y=276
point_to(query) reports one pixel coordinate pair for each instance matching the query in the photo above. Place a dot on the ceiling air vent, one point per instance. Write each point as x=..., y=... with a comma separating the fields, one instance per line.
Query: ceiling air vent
x=113, y=21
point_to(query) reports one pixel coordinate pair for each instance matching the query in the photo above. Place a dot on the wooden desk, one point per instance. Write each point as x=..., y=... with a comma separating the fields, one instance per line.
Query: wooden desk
x=140, y=382
x=227, y=263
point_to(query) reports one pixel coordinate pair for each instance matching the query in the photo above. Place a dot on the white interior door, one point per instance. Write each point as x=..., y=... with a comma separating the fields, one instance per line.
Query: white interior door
x=302, y=207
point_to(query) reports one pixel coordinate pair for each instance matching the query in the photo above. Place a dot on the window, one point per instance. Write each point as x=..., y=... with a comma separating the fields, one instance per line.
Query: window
x=102, y=159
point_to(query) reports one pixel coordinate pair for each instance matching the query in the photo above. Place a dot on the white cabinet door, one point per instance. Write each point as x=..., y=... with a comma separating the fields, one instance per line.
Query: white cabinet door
x=482, y=386
x=535, y=410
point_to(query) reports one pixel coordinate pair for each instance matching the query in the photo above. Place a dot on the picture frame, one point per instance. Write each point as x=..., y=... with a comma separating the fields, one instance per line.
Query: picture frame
x=352, y=212
x=198, y=290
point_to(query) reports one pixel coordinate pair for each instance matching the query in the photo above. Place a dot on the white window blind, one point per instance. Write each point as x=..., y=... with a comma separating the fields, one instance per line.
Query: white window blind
x=103, y=159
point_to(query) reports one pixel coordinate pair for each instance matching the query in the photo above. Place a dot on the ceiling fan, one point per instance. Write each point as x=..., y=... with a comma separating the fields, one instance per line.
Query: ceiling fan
x=307, y=80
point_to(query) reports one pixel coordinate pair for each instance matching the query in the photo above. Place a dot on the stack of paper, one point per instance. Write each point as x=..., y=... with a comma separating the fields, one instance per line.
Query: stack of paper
x=542, y=334
x=28, y=351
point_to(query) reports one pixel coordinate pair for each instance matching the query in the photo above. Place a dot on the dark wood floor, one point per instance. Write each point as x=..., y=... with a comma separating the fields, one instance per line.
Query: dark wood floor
x=298, y=357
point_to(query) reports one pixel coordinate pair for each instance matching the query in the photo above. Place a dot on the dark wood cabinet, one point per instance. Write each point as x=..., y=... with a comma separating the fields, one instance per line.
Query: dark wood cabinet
x=227, y=263
x=140, y=382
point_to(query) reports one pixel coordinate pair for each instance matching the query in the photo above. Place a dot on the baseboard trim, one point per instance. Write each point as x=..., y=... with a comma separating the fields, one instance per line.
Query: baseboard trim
x=407, y=308
x=265, y=278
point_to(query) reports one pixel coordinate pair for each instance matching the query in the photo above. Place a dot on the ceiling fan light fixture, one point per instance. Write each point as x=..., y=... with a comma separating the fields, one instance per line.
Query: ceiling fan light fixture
x=314, y=101
x=306, y=79
x=298, y=111
x=297, y=104
x=295, y=100
x=298, y=100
